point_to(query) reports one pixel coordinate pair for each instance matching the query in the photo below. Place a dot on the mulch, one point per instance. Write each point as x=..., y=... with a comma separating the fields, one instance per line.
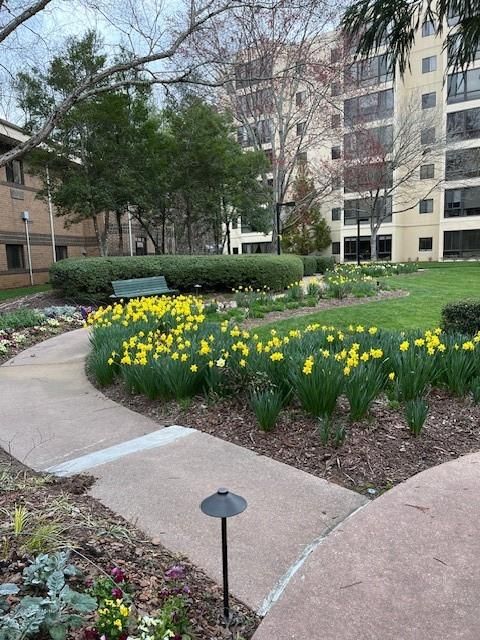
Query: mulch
x=101, y=540
x=39, y=300
x=378, y=452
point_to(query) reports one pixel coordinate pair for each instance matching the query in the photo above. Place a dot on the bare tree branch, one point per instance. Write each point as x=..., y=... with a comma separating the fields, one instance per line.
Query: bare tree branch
x=25, y=15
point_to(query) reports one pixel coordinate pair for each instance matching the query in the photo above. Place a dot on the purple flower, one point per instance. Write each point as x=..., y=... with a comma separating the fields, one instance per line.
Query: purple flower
x=117, y=574
x=175, y=573
x=117, y=593
x=91, y=634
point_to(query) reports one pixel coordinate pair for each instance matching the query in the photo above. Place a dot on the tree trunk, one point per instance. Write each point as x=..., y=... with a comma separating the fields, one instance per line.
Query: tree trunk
x=121, y=250
x=373, y=243
x=104, y=234
x=164, y=230
x=98, y=236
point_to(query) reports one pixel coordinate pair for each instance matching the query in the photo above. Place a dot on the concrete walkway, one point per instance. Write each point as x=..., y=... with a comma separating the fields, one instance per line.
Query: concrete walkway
x=52, y=419
x=305, y=553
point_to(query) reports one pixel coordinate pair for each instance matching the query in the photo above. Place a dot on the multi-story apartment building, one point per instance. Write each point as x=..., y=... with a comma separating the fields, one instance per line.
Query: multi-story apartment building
x=49, y=240
x=435, y=214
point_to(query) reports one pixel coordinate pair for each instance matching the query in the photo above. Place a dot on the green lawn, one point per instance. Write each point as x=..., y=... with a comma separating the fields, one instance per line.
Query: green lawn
x=8, y=294
x=429, y=291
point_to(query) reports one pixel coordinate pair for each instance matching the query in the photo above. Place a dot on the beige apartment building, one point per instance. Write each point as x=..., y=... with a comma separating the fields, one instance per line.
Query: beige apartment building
x=435, y=215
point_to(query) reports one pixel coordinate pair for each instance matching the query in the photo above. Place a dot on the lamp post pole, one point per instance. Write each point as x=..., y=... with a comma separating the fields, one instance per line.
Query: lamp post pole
x=358, y=237
x=50, y=215
x=26, y=218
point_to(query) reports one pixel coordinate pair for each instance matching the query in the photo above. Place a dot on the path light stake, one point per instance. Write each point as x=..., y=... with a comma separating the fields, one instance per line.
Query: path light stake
x=224, y=504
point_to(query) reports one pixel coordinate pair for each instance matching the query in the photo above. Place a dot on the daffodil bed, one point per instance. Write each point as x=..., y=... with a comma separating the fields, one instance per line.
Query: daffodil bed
x=166, y=350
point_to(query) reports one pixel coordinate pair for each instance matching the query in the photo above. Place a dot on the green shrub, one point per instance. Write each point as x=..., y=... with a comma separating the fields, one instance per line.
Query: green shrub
x=90, y=278
x=21, y=319
x=461, y=317
x=324, y=263
x=309, y=265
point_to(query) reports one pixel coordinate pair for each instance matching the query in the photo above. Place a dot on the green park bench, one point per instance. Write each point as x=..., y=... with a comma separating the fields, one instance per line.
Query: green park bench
x=141, y=287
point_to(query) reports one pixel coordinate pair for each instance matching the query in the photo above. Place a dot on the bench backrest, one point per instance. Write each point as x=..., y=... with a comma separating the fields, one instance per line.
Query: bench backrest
x=140, y=286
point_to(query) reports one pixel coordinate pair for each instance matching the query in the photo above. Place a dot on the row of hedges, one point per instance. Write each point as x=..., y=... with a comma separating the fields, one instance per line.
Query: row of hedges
x=461, y=317
x=317, y=264
x=89, y=279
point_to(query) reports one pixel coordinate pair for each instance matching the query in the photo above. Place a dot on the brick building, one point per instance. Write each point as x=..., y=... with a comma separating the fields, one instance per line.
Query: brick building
x=49, y=239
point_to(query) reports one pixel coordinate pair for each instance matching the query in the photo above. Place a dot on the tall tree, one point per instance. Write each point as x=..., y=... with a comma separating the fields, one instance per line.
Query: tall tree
x=94, y=150
x=305, y=231
x=372, y=24
x=211, y=171
x=156, y=37
x=277, y=69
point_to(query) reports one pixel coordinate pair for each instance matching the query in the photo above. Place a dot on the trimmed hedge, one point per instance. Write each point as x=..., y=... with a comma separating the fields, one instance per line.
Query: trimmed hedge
x=325, y=263
x=461, y=317
x=309, y=265
x=89, y=279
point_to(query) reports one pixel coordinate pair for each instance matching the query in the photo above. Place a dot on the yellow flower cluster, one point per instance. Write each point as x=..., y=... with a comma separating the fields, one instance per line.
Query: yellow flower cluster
x=185, y=312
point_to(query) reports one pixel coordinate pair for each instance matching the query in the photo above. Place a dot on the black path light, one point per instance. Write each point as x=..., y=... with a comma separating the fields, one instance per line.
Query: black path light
x=224, y=504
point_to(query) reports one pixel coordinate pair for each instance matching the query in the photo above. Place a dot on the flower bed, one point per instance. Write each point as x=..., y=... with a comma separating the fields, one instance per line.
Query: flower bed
x=25, y=327
x=71, y=568
x=166, y=349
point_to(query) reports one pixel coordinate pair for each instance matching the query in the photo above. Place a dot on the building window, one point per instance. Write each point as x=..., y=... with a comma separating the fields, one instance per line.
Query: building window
x=235, y=250
x=463, y=86
x=336, y=153
x=336, y=89
x=373, y=106
x=425, y=244
x=302, y=157
x=368, y=177
x=336, y=182
x=300, y=98
x=426, y=206
x=363, y=207
x=427, y=136
x=384, y=248
x=371, y=71
x=253, y=71
x=462, y=164
x=373, y=143
x=300, y=67
x=335, y=54
x=429, y=100
x=460, y=203
x=336, y=248
x=463, y=125
x=15, y=256
x=256, y=247
x=427, y=171
x=453, y=45
x=61, y=252
x=235, y=223
x=336, y=120
x=429, y=64
x=300, y=128
x=461, y=244
x=140, y=246
x=14, y=172
x=336, y=213
x=428, y=28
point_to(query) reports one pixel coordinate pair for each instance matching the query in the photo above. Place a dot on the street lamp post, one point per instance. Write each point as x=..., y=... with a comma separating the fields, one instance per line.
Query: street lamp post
x=278, y=209
x=26, y=219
